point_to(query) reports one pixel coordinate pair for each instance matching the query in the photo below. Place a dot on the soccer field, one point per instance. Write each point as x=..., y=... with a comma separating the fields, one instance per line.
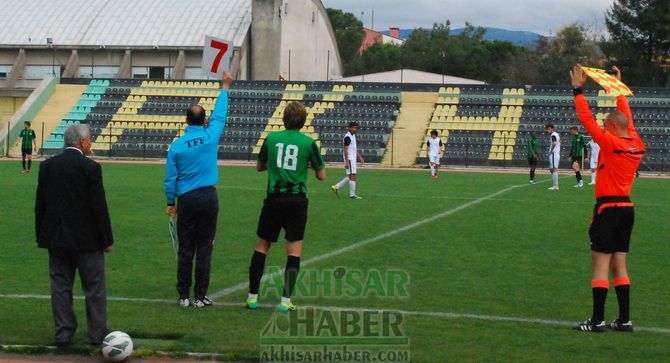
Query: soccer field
x=497, y=269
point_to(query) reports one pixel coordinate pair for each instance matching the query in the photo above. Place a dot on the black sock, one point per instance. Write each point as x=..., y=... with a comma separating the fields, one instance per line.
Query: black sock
x=579, y=176
x=256, y=268
x=291, y=274
x=532, y=174
x=30, y=164
x=623, y=297
x=599, y=295
x=24, y=164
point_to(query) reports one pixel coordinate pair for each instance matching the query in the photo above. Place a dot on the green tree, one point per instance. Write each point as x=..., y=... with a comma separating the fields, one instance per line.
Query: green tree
x=381, y=57
x=349, y=35
x=640, y=40
x=464, y=55
x=558, y=55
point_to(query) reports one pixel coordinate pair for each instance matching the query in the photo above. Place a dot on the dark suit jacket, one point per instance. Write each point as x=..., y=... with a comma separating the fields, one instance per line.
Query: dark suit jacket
x=71, y=210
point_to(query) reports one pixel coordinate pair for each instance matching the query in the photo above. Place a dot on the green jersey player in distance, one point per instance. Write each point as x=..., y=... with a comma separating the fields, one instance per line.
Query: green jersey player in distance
x=577, y=154
x=28, y=145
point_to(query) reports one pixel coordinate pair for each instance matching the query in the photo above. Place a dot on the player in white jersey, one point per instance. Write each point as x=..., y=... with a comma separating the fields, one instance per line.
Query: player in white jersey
x=435, y=147
x=592, y=154
x=350, y=153
x=554, y=154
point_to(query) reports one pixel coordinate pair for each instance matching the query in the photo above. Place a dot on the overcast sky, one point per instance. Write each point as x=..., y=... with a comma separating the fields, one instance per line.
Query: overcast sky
x=540, y=16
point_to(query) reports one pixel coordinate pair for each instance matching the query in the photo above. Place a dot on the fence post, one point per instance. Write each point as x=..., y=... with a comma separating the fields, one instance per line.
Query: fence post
x=42, y=142
x=505, y=151
x=7, y=141
x=467, y=150
x=392, y=144
x=251, y=125
x=144, y=141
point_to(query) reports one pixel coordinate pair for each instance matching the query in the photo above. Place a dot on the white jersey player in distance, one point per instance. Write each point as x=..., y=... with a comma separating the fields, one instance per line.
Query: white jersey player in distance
x=351, y=155
x=554, y=154
x=592, y=154
x=435, y=148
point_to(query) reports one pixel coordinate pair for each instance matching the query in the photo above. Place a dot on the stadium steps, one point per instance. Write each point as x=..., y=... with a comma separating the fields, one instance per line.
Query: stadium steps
x=415, y=114
x=64, y=98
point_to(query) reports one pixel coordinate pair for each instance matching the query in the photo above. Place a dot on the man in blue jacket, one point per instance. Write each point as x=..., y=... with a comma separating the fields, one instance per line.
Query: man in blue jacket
x=191, y=177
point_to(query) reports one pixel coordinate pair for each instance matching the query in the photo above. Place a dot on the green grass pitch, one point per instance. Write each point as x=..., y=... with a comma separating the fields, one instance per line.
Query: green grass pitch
x=522, y=253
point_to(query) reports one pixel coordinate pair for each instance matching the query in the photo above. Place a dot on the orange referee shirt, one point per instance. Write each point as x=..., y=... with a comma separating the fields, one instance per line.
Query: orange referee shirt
x=619, y=157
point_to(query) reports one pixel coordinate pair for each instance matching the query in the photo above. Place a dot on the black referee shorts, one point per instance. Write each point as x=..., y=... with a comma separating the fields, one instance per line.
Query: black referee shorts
x=283, y=211
x=532, y=162
x=25, y=152
x=612, y=224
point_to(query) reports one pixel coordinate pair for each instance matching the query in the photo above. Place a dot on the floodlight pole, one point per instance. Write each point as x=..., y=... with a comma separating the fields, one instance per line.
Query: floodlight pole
x=443, y=56
x=328, y=67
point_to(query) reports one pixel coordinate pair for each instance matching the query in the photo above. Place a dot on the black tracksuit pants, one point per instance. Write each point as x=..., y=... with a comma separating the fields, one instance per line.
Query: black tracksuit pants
x=196, y=227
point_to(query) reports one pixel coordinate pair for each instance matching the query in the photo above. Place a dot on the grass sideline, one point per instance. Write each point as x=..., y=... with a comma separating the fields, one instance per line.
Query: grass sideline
x=523, y=253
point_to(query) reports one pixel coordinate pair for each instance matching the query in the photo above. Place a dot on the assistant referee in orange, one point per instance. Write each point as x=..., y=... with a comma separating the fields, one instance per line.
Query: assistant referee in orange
x=621, y=151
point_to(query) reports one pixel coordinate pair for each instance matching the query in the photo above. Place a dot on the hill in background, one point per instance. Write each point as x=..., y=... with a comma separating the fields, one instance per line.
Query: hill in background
x=518, y=37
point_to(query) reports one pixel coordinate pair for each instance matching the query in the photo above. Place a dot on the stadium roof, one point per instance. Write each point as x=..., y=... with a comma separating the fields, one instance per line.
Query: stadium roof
x=123, y=23
x=409, y=76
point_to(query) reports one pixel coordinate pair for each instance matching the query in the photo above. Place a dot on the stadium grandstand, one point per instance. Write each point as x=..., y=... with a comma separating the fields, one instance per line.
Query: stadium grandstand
x=481, y=125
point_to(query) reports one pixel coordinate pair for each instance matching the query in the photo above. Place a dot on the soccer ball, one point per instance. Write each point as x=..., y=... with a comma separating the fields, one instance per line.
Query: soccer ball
x=117, y=346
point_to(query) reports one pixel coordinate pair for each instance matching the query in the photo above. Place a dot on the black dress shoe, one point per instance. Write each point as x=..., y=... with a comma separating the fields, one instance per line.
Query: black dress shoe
x=62, y=343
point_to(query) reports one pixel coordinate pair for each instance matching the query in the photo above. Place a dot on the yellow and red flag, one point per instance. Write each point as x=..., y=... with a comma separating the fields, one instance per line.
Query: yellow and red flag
x=613, y=87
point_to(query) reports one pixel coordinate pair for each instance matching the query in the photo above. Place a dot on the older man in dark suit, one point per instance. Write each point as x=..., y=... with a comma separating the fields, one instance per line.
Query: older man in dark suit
x=72, y=221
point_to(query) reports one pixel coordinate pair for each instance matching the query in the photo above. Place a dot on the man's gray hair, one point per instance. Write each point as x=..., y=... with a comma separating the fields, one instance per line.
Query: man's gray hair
x=75, y=133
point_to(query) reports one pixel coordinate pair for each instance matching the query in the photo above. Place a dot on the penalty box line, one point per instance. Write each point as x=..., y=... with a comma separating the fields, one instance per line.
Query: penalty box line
x=310, y=261
x=434, y=314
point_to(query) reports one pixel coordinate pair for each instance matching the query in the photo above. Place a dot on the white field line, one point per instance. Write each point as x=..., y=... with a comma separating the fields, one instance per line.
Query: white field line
x=244, y=285
x=435, y=314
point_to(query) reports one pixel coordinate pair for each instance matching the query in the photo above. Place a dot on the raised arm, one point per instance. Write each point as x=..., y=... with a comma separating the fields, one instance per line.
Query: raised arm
x=623, y=106
x=217, y=121
x=582, y=106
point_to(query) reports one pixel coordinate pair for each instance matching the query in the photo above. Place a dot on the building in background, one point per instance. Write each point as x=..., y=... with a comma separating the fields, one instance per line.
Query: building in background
x=410, y=76
x=374, y=37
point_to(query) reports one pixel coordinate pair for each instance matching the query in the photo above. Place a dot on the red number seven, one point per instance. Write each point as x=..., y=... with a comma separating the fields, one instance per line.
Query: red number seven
x=223, y=48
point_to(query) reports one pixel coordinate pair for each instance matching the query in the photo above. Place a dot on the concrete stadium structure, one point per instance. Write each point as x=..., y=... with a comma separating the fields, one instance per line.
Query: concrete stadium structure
x=162, y=39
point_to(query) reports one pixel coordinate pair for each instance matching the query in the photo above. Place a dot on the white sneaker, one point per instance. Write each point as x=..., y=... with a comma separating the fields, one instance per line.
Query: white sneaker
x=184, y=303
x=553, y=188
x=532, y=182
x=592, y=183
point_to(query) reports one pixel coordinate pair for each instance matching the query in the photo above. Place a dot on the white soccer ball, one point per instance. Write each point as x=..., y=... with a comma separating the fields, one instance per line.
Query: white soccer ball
x=117, y=346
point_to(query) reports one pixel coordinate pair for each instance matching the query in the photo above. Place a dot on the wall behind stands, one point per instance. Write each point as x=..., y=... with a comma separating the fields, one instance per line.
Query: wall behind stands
x=30, y=108
x=8, y=107
x=309, y=49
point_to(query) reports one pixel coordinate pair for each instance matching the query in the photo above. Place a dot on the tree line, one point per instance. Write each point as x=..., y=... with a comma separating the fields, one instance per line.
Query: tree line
x=638, y=42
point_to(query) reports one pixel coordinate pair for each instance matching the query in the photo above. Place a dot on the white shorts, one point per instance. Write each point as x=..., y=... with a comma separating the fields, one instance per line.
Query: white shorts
x=594, y=164
x=554, y=160
x=352, y=167
x=435, y=159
